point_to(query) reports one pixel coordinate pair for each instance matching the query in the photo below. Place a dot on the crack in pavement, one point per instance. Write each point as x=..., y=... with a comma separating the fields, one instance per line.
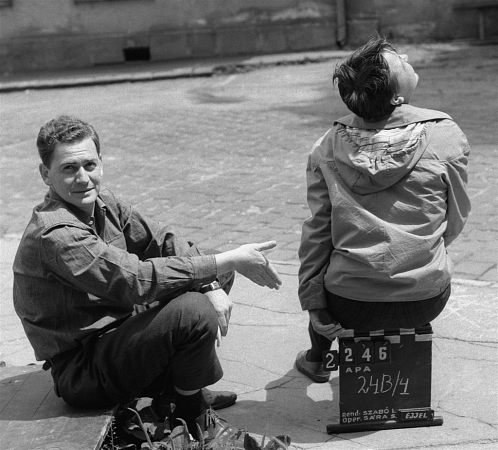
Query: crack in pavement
x=468, y=341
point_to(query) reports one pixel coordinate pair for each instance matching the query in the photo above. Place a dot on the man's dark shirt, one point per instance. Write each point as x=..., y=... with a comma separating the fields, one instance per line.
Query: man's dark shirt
x=74, y=274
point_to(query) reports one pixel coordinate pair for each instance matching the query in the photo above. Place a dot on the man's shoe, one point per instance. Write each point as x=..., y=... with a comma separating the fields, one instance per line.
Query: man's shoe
x=211, y=399
x=218, y=399
x=313, y=370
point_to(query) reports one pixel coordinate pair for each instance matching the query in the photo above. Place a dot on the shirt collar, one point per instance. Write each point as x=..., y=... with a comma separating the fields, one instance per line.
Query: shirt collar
x=100, y=208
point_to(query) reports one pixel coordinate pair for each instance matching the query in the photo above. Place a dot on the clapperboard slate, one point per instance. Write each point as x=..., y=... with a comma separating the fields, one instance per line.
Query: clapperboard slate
x=384, y=379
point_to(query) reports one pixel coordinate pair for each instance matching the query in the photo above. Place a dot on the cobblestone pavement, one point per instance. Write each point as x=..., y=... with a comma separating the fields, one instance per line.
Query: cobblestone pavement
x=223, y=157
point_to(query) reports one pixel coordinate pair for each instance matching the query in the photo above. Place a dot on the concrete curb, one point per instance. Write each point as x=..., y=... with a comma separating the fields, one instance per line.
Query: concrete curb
x=160, y=71
x=153, y=71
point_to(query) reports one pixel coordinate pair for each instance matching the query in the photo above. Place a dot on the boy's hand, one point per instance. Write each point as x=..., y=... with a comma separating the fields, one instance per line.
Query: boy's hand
x=323, y=323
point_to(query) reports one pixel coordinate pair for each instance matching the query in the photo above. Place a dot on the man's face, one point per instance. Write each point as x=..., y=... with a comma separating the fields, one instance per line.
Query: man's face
x=403, y=72
x=75, y=173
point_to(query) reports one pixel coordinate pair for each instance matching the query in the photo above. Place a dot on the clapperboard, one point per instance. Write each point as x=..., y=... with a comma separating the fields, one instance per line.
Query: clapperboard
x=384, y=379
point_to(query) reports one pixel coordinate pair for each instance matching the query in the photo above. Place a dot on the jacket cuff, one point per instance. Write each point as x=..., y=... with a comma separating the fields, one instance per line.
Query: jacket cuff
x=314, y=298
x=204, y=268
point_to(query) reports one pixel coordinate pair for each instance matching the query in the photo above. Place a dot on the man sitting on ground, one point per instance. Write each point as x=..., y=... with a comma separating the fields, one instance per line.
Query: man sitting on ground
x=120, y=306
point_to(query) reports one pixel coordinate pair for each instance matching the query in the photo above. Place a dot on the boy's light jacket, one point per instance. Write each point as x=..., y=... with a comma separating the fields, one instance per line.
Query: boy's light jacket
x=386, y=199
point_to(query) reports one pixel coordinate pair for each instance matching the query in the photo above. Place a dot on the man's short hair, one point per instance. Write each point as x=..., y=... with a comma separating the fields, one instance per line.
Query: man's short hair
x=63, y=129
x=365, y=82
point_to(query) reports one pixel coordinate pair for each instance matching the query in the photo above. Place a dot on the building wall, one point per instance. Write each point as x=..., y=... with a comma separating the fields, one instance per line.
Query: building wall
x=422, y=20
x=46, y=17
x=53, y=34
x=41, y=34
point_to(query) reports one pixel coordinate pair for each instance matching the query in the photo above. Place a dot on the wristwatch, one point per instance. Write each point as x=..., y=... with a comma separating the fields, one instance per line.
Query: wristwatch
x=210, y=287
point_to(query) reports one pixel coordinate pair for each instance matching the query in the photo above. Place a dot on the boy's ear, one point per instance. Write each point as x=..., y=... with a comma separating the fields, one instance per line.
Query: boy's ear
x=44, y=173
x=397, y=100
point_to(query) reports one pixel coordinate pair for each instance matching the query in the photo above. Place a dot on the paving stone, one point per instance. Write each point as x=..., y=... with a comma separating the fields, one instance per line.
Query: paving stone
x=32, y=417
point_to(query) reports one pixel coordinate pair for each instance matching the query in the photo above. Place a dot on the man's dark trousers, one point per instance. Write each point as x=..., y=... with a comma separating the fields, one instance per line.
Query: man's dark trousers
x=146, y=355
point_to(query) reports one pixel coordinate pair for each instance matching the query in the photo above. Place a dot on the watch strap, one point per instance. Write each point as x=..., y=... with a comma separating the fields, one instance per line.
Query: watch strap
x=210, y=287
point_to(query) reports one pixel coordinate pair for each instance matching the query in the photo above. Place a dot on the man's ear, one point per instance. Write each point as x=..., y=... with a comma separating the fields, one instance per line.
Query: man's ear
x=397, y=100
x=44, y=173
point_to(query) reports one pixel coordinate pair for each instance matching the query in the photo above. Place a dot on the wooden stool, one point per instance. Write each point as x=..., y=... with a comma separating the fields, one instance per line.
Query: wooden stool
x=384, y=380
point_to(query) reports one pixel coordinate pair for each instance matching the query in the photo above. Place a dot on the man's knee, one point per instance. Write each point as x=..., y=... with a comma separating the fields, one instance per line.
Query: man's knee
x=194, y=310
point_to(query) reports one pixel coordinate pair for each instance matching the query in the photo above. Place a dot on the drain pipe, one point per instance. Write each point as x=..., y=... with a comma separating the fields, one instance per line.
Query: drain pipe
x=341, y=22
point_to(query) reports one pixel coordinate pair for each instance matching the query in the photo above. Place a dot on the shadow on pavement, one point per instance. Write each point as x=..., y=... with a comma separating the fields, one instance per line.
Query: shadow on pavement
x=294, y=406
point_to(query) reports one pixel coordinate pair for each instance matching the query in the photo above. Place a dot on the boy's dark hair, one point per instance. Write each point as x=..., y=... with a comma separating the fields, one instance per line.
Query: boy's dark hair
x=63, y=129
x=365, y=83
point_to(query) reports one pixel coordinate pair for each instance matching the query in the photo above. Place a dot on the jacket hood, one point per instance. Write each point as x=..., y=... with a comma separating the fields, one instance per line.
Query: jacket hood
x=373, y=156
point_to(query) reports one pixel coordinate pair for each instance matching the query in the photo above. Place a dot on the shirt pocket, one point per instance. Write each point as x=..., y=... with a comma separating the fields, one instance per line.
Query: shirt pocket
x=116, y=239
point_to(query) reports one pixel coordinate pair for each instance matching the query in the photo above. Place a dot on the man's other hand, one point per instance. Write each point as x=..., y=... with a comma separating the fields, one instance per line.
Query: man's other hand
x=223, y=307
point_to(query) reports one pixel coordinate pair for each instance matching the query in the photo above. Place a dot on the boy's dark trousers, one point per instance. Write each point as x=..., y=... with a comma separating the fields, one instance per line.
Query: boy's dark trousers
x=369, y=316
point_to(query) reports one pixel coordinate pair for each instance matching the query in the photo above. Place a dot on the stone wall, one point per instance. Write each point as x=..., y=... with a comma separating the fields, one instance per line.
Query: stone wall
x=56, y=34
x=429, y=20
x=48, y=34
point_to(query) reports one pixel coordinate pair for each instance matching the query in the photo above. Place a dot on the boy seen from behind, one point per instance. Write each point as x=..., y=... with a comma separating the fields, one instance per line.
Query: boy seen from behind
x=387, y=191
